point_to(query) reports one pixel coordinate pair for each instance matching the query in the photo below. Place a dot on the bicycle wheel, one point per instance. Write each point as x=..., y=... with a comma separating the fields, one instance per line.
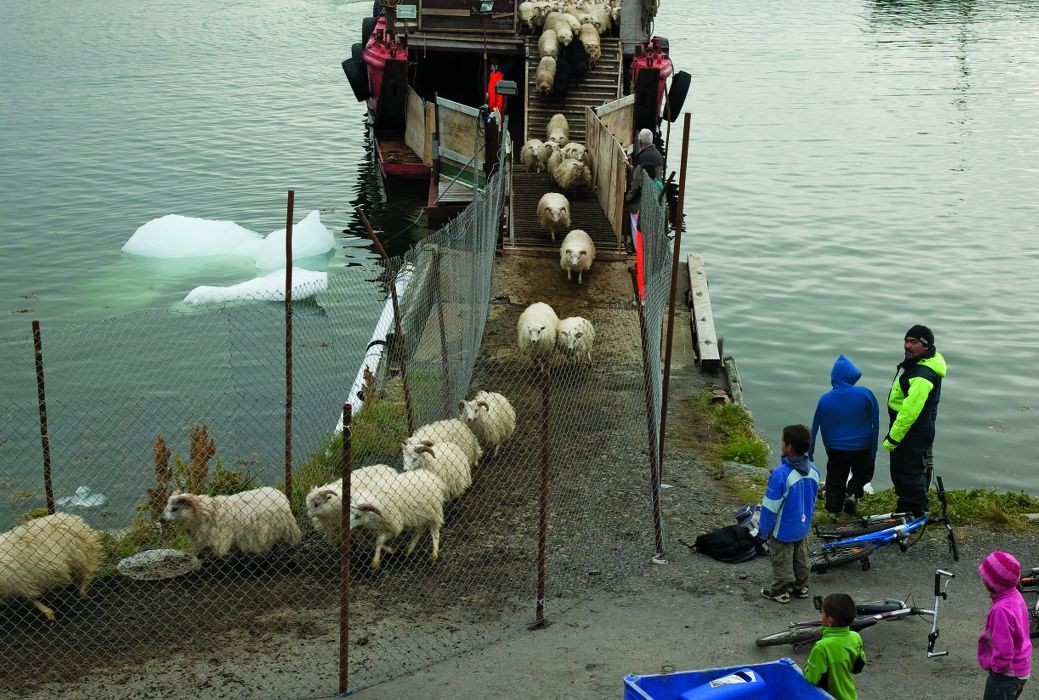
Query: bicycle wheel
x=794, y=635
x=843, y=532
x=825, y=561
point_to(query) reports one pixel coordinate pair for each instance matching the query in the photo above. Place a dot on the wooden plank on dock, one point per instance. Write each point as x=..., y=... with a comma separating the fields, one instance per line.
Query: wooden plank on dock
x=704, y=334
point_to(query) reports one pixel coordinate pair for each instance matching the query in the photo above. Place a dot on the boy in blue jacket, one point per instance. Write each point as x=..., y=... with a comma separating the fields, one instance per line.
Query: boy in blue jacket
x=786, y=516
x=849, y=418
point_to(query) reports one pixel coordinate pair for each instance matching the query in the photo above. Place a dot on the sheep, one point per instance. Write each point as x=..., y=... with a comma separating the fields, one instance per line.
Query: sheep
x=546, y=75
x=599, y=17
x=413, y=502
x=536, y=330
x=251, y=521
x=589, y=38
x=576, y=253
x=558, y=23
x=325, y=503
x=555, y=159
x=491, y=417
x=572, y=175
x=530, y=14
x=45, y=553
x=576, y=336
x=575, y=151
x=547, y=149
x=554, y=212
x=548, y=44
x=439, y=432
x=558, y=130
x=530, y=155
x=448, y=461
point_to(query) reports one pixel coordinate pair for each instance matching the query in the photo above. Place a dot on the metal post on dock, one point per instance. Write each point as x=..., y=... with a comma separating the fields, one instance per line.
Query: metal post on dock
x=546, y=439
x=41, y=395
x=679, y=221
x=654, y=472
x=344, y=554
x=398, y=335
x=288, y=345
x=449, y=393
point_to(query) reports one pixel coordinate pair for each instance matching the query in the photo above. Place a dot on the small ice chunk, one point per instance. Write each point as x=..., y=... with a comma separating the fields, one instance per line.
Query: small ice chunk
x=175, y=236
x=83, y=498
x=270, y=287
x=309, y=238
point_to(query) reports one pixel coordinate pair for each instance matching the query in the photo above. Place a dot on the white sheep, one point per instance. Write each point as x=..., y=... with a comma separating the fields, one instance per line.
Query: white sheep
x=491, y=417
x=325, y=503
x=546, y=75
x=559, y=22
x=589, y=37
x=530, y=14
x=414, y=502
x=600, y=17
x=536, y=330
x=558, y=129
x=575, y=151
x=441, y=431
x=547, y=149
x=554, y=213
x=251, y=521
x=448, y=461
x=530, y=155
x=45, y=553
x=576, y=253
x=576, y=336
x=548, y=44
x=572, y=175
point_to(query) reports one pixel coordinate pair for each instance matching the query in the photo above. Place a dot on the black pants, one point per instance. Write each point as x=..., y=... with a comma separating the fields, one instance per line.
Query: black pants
x=911, y=463
x=999, y=687
x=859, y=464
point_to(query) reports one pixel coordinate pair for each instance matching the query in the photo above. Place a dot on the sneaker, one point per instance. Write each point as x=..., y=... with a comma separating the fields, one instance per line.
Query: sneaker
x=801, y=592
x=851, y=505
x=783, y=597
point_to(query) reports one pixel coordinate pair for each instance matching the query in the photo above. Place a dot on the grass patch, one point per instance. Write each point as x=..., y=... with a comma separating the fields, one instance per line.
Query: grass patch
x=968, y=507
x=728, y=434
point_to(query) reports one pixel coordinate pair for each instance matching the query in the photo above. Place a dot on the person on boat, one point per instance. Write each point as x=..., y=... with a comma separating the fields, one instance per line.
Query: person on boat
x=648, y=156
x=912, y=407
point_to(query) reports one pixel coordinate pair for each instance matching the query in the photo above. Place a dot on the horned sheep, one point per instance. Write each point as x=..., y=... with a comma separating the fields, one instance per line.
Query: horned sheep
x=546, y=75
x=554, y=213
x=536, y=330
x=413, y=502
x=439, y=432
x=448, y=461
x=491, y=417
x=530, y=155
x=252, y=522
x=547, y=149
x=325, y=503
x=548, y=44
x=572, y=175
x=558, y=130
x=45, y=553
x=576, y=336
x=576, y=254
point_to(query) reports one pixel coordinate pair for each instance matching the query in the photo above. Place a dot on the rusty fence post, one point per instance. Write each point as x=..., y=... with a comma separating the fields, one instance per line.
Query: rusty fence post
x=288, y=346
x=437, y=282
x=392, y=276
x=679, y=220
x=41, y=395
x=344, y=553
x=654, y=472
x=546, y=439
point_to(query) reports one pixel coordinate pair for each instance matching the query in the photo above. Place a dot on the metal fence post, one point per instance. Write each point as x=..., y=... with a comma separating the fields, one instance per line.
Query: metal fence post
x=288, y=346
x=546, y=439
x=41, y=394
x=344, y=553
x=437, y=282
x=654, y=472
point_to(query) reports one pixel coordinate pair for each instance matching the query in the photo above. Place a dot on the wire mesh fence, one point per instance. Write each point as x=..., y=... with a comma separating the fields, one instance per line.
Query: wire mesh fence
x=517, y=502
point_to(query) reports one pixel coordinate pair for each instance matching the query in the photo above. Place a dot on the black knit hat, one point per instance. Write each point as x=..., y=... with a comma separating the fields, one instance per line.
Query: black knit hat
x=921, y=333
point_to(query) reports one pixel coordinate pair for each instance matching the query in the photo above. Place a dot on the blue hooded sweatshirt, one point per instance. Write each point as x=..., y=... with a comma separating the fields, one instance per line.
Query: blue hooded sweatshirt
x=789, y=502
x=848, y=415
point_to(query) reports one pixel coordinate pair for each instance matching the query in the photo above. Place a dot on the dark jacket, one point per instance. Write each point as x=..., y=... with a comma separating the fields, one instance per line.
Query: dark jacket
x=912, y=404
x=651, y=160
x=848, y=415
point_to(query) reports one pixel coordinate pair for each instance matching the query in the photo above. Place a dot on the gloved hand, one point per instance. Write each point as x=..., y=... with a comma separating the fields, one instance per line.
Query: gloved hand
x=888, y=445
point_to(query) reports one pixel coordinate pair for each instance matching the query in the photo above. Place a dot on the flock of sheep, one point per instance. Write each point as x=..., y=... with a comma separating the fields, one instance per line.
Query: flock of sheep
x=560, y=23
x=567, y=161
x=61, y=549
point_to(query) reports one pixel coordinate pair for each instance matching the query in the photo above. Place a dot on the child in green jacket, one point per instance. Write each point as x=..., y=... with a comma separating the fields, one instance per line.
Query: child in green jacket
x=839, y=654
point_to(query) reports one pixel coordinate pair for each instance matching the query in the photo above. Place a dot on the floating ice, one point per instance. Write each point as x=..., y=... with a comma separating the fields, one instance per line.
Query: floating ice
x=175, y=236
x=84, y=498
x=270, y=287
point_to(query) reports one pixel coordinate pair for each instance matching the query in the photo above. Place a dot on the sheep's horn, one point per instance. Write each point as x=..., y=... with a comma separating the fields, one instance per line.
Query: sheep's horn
x=427, y=443
x=370, y=508
x=425, y=448
x=461, y=404
x=484, y=404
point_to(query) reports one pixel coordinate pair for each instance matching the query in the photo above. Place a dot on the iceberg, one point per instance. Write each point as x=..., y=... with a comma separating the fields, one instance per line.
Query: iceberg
x=83, y=498
x=270, y=287
x=310, y=238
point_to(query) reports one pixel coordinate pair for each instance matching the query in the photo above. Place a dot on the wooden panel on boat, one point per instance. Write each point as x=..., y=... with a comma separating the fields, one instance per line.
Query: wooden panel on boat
x=465, y=15
x=418, y=134
x=393, y=148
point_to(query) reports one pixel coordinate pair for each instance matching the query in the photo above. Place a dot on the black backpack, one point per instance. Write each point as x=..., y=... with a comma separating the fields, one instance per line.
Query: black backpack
x=732, y=544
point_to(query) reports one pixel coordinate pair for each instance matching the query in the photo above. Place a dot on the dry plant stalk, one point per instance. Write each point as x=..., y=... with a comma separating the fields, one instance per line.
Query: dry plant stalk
x=202, y=450
x=155, y=501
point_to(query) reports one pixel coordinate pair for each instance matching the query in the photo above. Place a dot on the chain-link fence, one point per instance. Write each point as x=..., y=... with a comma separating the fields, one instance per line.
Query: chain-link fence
x=143, y=405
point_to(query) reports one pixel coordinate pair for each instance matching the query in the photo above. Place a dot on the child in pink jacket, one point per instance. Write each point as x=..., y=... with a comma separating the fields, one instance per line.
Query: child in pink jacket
x=1004, y=647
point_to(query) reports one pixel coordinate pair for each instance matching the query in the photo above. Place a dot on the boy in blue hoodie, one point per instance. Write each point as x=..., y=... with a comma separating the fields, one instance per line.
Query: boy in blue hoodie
x=849, y=418
x=786, y=516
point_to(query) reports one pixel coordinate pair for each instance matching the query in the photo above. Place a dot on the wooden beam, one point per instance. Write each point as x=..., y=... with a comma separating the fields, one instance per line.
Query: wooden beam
x=704, y=334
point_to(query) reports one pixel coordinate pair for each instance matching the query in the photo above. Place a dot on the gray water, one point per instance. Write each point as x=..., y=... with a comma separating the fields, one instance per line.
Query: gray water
x=855, y=168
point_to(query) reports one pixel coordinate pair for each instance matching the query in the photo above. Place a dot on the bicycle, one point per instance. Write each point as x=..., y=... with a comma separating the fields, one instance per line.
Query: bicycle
x=836, y=552
x=1030, y=584
x=800, y=634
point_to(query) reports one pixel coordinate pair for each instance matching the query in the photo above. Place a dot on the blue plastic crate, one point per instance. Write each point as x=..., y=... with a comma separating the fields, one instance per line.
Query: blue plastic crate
x=775, y=680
